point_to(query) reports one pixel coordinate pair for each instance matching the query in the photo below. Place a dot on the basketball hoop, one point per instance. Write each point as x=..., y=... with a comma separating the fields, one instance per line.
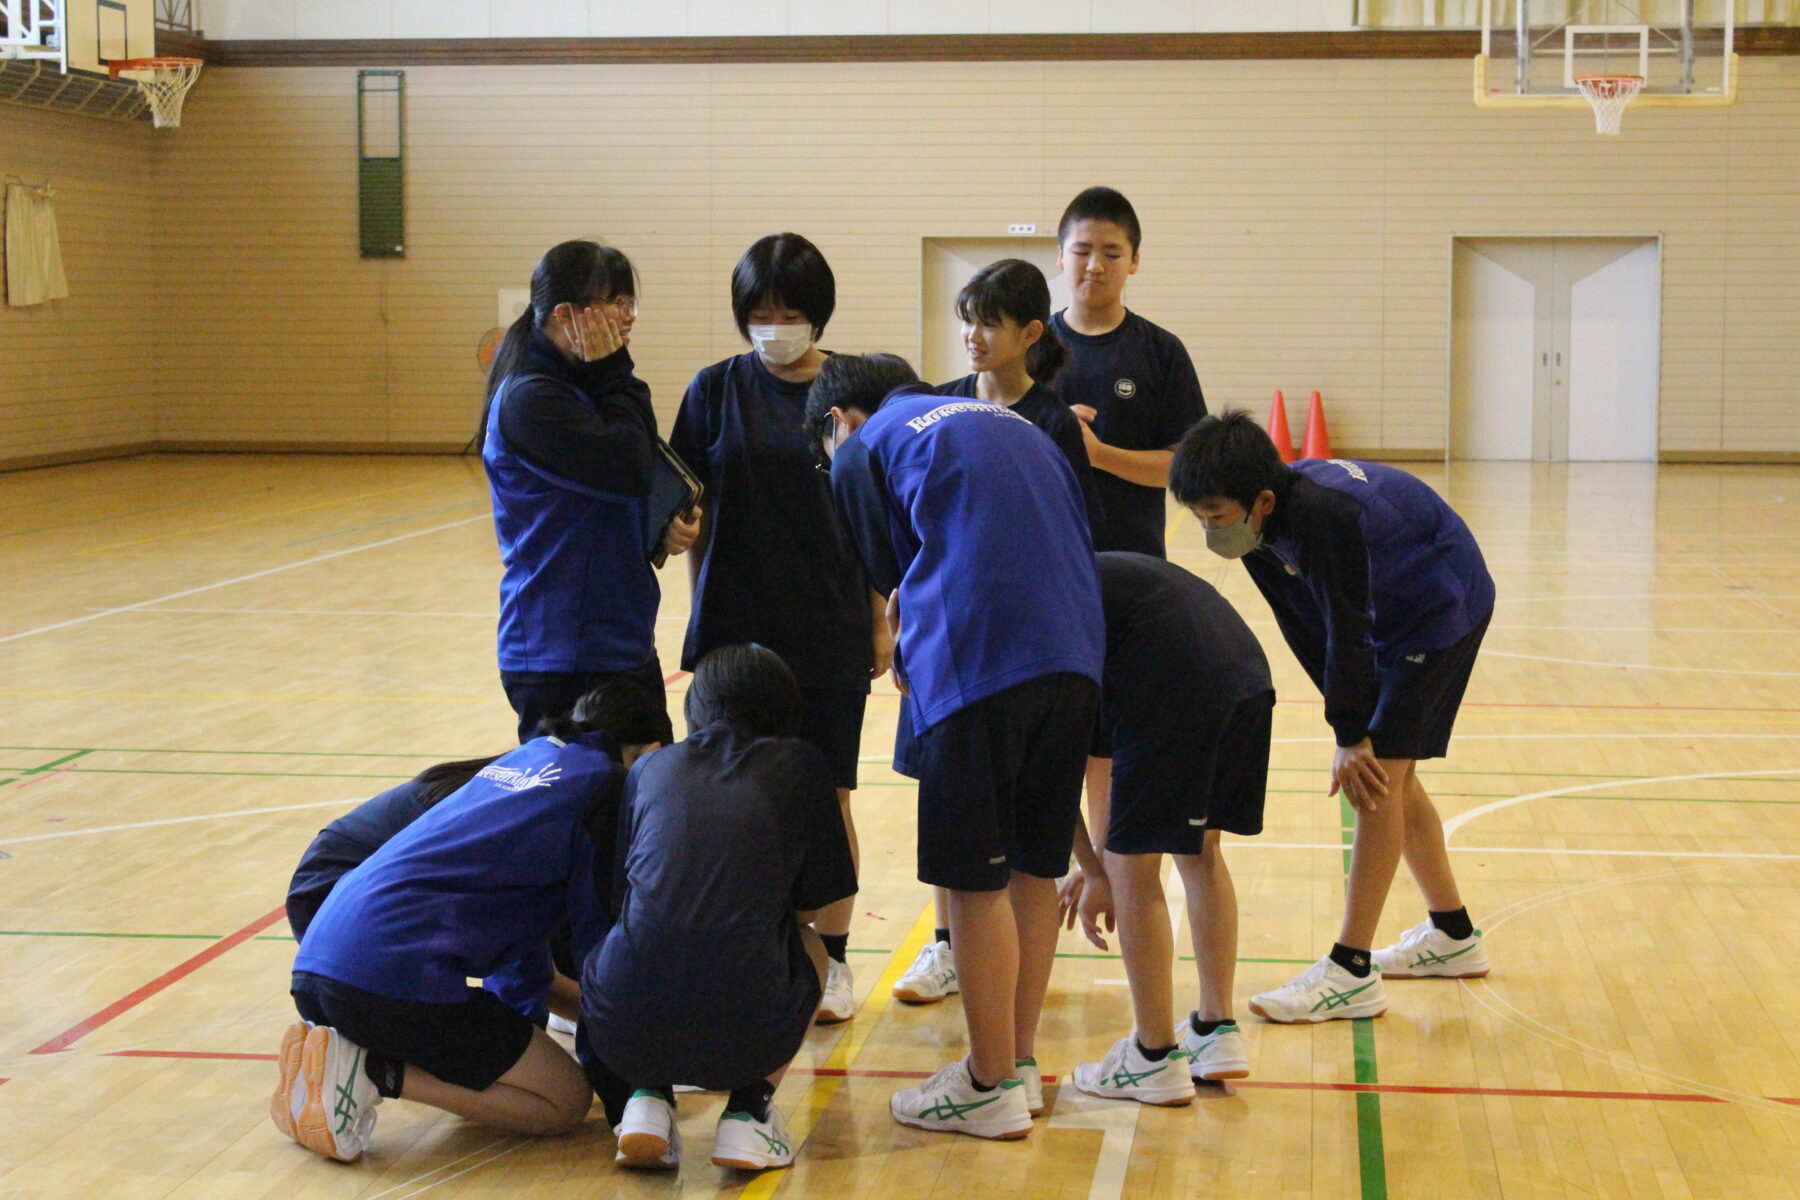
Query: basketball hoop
x=166, y=87
x=1609, y=95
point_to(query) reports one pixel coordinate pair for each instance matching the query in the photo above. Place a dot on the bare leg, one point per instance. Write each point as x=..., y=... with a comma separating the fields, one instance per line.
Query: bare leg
x=940, y=904
x=1375, y=855
x=987, y=944
x=1212, y=924
x=1426, y=855
x=544, y=1092
x=1034, y=917
x=1146, y=942
x=834, y=918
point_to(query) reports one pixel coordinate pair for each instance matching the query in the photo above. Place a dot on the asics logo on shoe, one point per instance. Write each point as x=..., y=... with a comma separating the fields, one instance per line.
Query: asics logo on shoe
x=945, y=1110
x=1125, y=1077
x=1336, y=999
x=1429, y=959
x=344, y=1109
x=776, y=1145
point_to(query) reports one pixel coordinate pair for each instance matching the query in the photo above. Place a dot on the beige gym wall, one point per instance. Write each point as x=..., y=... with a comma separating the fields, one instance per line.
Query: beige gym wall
x=1298, y=216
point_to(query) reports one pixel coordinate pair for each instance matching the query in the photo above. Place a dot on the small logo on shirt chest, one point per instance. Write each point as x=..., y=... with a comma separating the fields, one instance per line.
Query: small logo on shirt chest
x=1124, y=389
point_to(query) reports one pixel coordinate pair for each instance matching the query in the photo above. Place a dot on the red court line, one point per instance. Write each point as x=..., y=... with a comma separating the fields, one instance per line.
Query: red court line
x=1781, y=1099
x=673, y=678
x=1424, y=1090
x=81, y=1029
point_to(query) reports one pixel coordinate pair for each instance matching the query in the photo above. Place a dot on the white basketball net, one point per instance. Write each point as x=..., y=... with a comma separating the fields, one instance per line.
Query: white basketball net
x=1609, y=95
x=167, y=85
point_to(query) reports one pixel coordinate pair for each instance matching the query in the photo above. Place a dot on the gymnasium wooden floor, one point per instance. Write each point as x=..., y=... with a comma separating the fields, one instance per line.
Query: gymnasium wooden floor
x=203, y=659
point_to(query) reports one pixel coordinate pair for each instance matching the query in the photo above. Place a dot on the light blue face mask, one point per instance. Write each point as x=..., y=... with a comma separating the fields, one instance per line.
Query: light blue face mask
x=1233, y=541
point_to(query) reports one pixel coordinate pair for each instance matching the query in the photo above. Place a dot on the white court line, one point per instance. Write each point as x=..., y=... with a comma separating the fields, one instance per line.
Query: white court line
x=1515, y=737
x=242, y=812
x=524, y=1142
x=1647, y=596
x=207, y=587
x=1463, y=818
x=1683, y=629
x=1117, y=1122
x=1621, y=666
x=366, y=612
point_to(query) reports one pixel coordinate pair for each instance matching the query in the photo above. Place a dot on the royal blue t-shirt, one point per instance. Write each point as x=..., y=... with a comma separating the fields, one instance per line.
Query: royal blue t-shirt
x=346, y=844
x=1141, y=384
x=704, y=979
x=1363, y=565
x=976, y=517
x=779, y=569
x=474, y=888
x=1045, y=409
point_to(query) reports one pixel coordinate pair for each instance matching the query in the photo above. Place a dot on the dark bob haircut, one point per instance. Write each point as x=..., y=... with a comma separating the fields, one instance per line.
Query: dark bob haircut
x=634, y=714
x=1013, y=289
x=747, y=685
x=1230, y=456
x=856, y=383
x=787, y=270
x=1101, y=204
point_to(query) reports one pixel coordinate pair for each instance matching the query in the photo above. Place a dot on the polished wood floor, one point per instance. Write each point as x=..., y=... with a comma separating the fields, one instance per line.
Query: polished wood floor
x=203, y=659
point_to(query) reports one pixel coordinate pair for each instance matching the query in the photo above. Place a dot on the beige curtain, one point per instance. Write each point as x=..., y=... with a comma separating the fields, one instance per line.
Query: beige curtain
x=1427, y=14
x=34, y=270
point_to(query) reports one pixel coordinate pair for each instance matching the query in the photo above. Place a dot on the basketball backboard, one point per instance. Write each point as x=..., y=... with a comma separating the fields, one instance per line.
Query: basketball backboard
x=1534, y=51
x=96, y=32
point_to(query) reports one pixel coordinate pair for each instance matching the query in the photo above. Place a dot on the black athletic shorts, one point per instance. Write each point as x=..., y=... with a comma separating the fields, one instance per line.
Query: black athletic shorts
x=1000, y=784
x=471, y=1044
x=832, y=720
x=536, y=695
x=1209, y=771
x=1419, y=696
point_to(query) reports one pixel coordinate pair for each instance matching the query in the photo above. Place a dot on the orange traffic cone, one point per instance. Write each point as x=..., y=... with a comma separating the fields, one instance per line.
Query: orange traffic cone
x=1318, y=442
x=1278, y=428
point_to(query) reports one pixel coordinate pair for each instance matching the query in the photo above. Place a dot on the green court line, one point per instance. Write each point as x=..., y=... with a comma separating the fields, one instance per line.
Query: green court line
x=1370, y=1150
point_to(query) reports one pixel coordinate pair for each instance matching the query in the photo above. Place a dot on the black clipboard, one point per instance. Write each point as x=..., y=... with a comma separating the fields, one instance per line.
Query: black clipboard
x=674, y=492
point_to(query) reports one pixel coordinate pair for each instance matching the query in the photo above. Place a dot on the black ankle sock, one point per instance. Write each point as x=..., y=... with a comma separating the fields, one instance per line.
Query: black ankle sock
x=1454, y=924
x=942, y=935
x=836, y=945
x=1352, y=960
x=752, y=1098
x=1206, y=1028
x=387, y=1074
x=977, y=1084
x=1156, y=1055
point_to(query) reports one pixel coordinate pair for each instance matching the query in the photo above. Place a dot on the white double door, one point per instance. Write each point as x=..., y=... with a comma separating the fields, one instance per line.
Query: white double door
x=1555, y=349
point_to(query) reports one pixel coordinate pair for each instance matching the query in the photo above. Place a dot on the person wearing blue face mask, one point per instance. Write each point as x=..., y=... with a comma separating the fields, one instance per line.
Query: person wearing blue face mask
x=773, y=565
x=1382, y=594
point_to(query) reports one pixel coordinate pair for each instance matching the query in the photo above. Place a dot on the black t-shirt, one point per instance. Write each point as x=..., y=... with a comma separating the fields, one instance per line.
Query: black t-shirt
x=1178, y=656
x=1048, y=411
x=1141, y=384
x=722, y=838
x=779, y=568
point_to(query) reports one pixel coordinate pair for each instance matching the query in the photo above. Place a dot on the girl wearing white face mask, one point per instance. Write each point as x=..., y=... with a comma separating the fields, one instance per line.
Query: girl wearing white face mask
x=772, y=565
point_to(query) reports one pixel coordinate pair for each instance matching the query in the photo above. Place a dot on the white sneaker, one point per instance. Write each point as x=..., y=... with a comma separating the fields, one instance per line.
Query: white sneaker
x=290, y=1087
x=1125, y=1074
x=648, y=1134
x=838, y=1004
x=1425, y=950
x=1322, y=992
x=1033, y=1078
x=561, y=1025
x=949, y=1103
x=748, y=1144
x=338, y=1114
x=931, y=977
x=1216, y=1055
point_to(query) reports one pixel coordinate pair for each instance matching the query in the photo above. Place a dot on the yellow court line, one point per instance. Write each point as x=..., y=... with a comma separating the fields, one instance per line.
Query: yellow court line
x=250, y=520
x=819, y=1096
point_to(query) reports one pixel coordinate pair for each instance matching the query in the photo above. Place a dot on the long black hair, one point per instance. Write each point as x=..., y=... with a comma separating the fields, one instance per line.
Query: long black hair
x=747, y=685
x=577, y=273
x=1015, y=289
x=445, y=778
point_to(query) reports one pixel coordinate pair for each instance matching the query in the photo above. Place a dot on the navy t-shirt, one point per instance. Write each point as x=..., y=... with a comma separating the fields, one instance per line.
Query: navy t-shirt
x=779, y=569
x=722, y=839
x=1363, y=565
x=1141, y=384
x=343, y=845
x=976, y=517
x=1177, y=653
x=1045, y=409
x=475, y=888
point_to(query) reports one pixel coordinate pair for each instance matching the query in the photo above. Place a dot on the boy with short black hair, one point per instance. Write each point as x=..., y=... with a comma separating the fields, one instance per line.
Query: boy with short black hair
x=1131, y=382
x=1382, y=594
x=1181, y=754
x=971, y=522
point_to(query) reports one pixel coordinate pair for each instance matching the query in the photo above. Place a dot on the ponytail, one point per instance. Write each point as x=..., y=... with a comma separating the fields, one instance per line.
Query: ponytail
x=1046, y=356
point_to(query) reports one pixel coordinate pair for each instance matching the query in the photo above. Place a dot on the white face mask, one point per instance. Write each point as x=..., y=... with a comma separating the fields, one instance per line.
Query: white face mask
x=781, y=344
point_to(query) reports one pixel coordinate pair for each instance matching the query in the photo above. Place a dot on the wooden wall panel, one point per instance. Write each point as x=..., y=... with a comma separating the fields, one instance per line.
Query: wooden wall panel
x=76, y=375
